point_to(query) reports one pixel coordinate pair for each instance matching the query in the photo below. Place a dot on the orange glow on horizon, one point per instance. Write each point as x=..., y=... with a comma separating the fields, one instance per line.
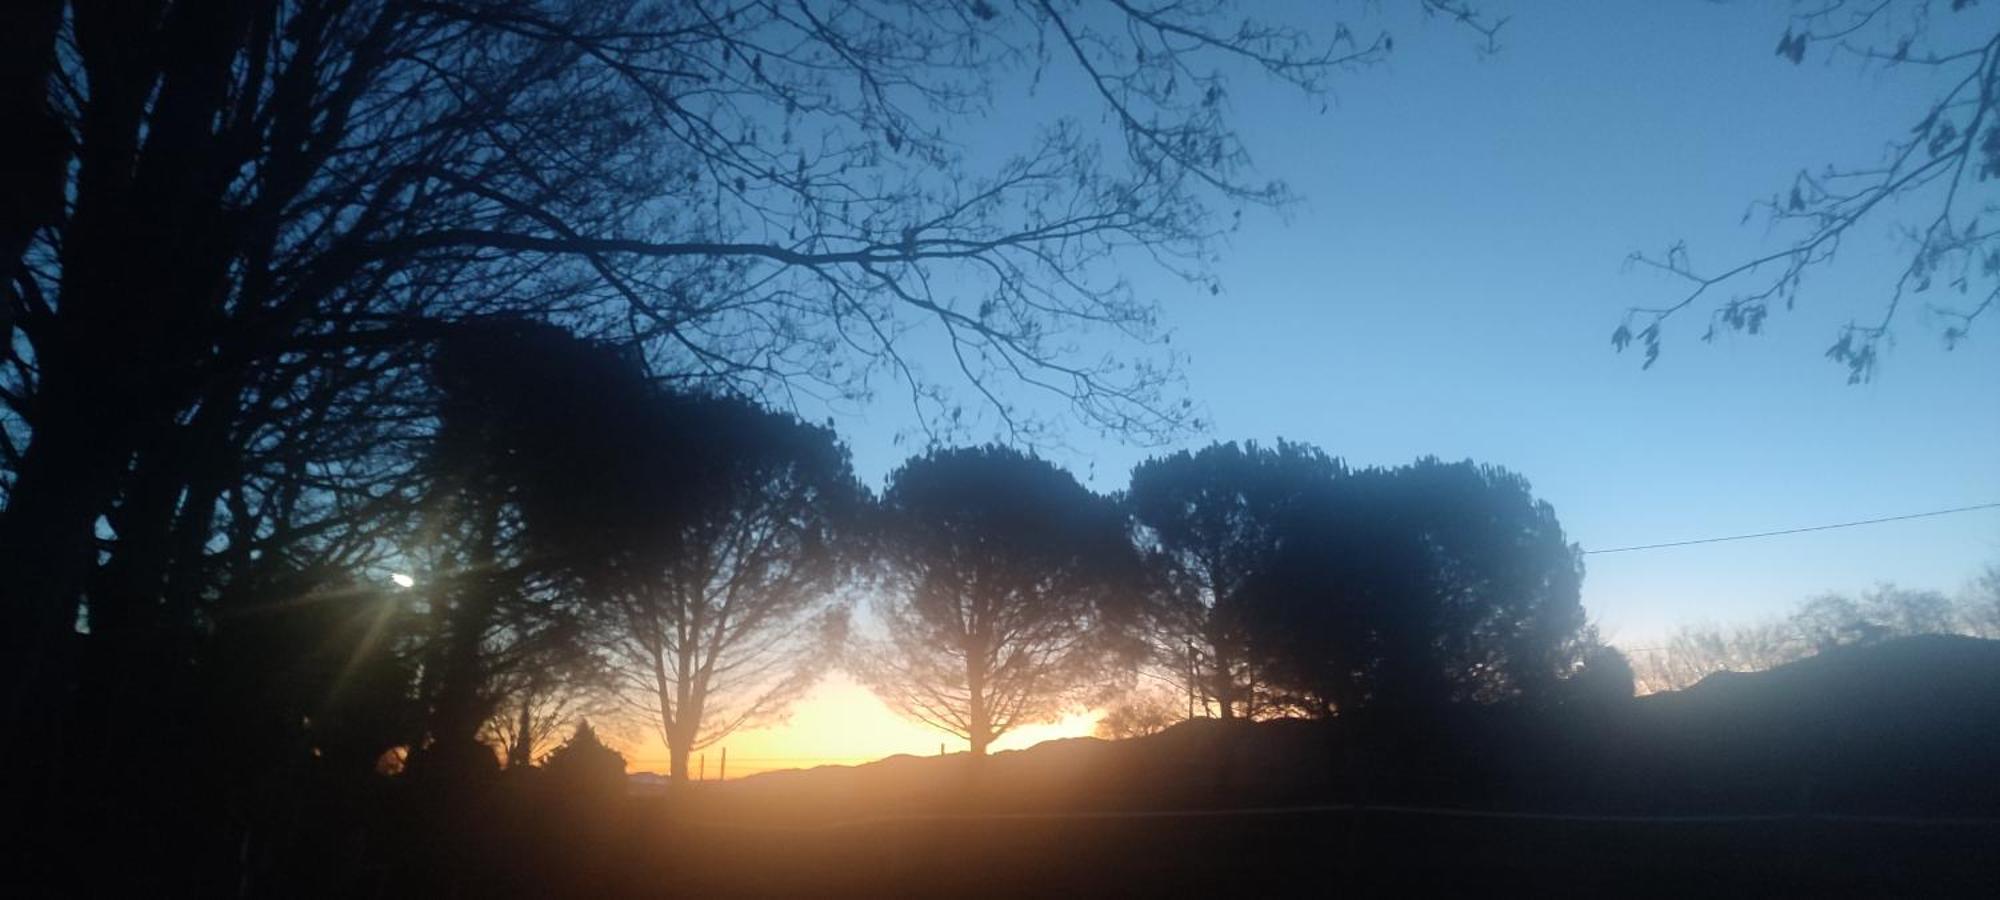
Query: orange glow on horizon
x=837, y=723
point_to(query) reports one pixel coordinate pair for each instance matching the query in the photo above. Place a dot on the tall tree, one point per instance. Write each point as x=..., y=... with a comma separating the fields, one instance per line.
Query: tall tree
x=709, y=535
x=1213, y=519
x=1412, y=587
x=729, y=600
x=1008, y=589
x=712, y=537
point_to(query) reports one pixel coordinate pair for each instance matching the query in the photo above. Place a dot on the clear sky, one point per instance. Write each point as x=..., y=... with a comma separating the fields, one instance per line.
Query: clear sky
x=1450, y=281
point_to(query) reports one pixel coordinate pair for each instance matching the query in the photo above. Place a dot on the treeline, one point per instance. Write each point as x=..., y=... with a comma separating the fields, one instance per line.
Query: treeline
x=590, y=537
x=1822, y=623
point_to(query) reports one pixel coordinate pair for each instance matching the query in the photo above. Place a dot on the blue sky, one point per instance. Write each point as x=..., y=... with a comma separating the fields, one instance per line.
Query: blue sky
x=1450, y=280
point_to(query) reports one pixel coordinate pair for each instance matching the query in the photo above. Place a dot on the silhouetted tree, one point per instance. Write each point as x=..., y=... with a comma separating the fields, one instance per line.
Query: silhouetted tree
x=1008, y=589
x=1212, y=520
x=1906, y=611
x=1694, y=652
x=1138, y=714
x=722, y=611
x=710, y=535
x=1979, y=607
x=584, y=766
x=1416, y=586
x=1885, y=611
x=1834, y=620
x=1942, y=166
x=546, y=696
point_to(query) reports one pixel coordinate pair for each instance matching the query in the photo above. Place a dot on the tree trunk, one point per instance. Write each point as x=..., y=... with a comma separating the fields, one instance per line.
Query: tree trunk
x=460, y=706
x=67, y=477
x=677, y=760
x=687, y=728
x=1224, y=682
x=522, y=753
x=979, y=731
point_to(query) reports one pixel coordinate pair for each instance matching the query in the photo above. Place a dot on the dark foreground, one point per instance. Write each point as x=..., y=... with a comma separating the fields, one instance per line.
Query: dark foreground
x=1869, y=771
x=1257, y=854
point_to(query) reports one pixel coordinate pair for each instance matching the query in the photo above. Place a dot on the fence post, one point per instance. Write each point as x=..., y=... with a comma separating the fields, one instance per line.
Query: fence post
x=701, y=773
x=722, y=771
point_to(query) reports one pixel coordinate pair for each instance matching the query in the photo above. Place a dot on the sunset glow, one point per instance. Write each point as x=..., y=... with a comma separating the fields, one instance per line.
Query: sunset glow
x=839, y=723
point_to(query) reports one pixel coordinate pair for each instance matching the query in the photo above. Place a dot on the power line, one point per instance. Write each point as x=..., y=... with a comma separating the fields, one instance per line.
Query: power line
x=1765, y=534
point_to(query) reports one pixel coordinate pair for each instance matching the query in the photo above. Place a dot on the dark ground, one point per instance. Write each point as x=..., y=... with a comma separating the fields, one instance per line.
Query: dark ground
x=1871, y=771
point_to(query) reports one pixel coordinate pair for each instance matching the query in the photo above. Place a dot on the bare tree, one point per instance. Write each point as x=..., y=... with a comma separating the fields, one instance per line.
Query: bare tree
x=1942, y=167
x=1825, y=622
x=1979, y=605
x=1139, y=713
x=1695, y=652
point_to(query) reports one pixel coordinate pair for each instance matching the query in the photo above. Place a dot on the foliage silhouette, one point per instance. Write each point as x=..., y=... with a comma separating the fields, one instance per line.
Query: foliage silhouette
x=1007, y=591
x=1212, y=520
x=1418, y=586
x=1141, y=713
x=583, y=767
x=712, y=535
x=720, y=621
x=556, y=692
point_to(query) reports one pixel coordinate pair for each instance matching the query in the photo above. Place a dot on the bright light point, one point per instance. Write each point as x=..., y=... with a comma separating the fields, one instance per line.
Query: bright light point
x=403, y=580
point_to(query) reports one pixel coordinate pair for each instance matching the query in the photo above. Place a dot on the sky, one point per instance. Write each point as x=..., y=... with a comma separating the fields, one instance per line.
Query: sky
x=1448, y=284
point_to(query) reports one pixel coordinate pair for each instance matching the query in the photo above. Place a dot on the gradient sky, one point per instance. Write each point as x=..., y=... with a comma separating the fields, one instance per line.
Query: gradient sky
x=1449, y=284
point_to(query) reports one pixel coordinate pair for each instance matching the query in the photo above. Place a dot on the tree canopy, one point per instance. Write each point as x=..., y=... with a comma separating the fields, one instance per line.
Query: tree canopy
x=1416, y=586
x=1007, y=591
x=1211, y=520
x=710, y=538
